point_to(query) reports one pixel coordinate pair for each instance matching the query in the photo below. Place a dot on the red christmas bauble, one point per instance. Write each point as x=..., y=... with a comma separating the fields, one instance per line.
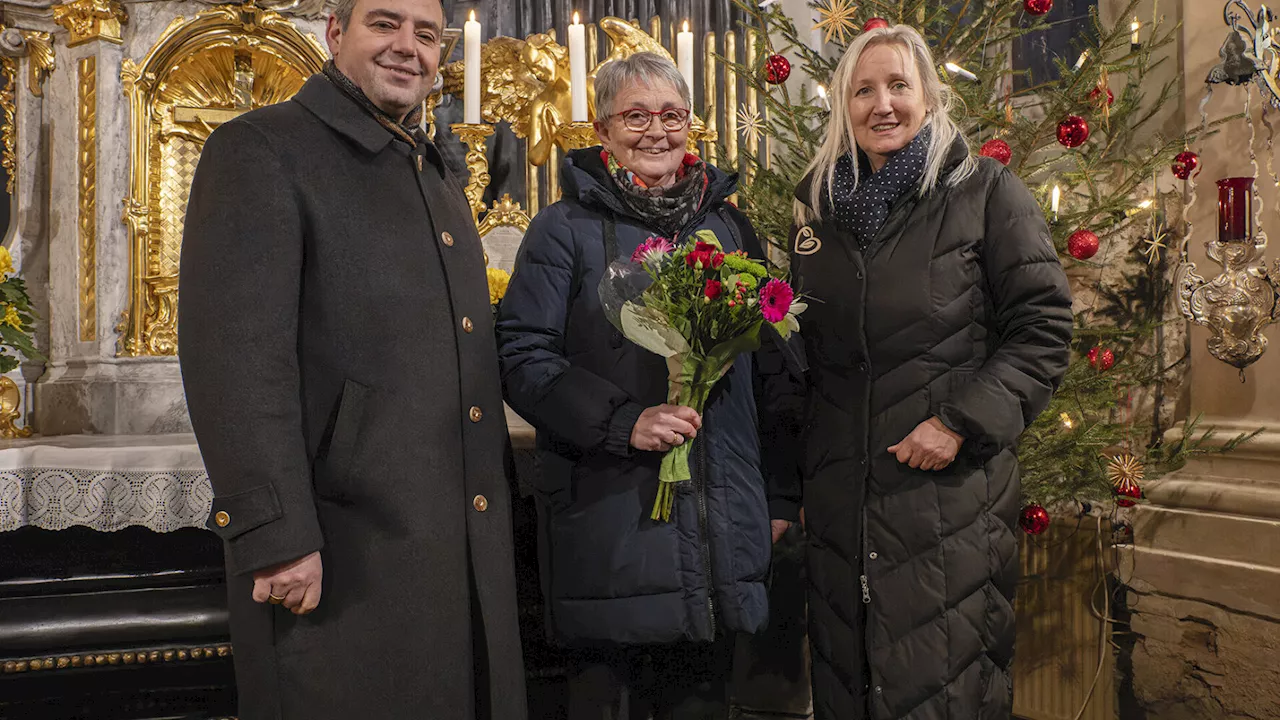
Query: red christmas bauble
x=1127, y=492
x=1101, y=358
x=997, y=149
x=777, y=69
x=1096, y=96
x=876, y=23
x=1185, y=163
x=1034, y=519
x=1037, y=7
x=1073, y=131
x=1083, y=244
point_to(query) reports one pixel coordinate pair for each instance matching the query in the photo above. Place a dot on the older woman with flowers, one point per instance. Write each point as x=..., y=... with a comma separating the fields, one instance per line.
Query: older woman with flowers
x=654, y=604
x=938, y=329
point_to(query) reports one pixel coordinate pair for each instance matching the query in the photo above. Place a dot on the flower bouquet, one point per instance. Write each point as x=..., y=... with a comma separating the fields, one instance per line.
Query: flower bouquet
x=698, y=307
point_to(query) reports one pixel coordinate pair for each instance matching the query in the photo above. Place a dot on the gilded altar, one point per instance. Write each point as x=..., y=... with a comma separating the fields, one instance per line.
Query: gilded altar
x=106, y=108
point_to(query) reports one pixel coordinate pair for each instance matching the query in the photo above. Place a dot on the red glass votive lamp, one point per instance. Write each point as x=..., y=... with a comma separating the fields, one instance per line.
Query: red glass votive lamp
x=1235, y=209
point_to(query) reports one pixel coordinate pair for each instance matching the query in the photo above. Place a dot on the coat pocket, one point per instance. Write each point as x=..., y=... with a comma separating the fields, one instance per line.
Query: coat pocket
x=333, y=463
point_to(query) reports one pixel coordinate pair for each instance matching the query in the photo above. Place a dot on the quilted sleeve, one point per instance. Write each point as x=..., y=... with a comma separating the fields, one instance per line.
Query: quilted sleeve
x=1031, y=306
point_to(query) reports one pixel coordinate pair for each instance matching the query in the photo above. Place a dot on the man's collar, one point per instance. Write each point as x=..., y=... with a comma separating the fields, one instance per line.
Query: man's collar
x=341, y=113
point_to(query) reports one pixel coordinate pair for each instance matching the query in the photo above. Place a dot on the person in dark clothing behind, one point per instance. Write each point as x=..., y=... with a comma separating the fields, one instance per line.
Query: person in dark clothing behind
x=653, y=605
x=939, y=327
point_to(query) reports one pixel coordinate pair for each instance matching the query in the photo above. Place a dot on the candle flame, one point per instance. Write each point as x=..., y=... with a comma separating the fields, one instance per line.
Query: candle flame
x=822, y=92
x=686, y=26
x=575, y=18
x=473, y=16
x=1135, y=25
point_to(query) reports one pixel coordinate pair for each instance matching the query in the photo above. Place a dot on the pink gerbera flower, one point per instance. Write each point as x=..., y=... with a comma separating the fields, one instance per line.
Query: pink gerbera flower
x=652, y=249
x=775, y=300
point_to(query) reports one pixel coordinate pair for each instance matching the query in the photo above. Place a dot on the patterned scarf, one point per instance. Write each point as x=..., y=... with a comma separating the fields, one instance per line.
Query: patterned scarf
x=864, y=210
x=408, y=131
x=669, y=209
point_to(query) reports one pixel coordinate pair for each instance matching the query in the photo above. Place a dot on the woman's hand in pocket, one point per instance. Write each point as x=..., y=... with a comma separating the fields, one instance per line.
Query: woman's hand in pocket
x=931, y=446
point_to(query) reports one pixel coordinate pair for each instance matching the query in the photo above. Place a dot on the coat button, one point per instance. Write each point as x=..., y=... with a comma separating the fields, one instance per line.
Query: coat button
x=480, y=503
x=447, y=239
x=222, y=519
x=476, y=414
x=879, y=690
x=873, y=556
x=862, y=367
x=467, y=325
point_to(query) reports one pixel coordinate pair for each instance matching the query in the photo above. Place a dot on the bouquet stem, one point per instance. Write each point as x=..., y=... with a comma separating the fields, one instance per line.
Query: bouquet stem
x=685, y=388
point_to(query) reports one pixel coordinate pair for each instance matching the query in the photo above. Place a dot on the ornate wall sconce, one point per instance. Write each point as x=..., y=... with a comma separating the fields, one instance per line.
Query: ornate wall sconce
x=1242, y=300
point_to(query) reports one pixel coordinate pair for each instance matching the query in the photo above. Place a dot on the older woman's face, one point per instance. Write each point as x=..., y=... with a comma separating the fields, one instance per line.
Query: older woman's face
x=886, y=102
x=655, y=154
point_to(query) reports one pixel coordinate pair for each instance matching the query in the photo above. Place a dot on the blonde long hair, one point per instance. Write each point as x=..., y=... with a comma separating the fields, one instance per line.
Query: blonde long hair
x=839, y=140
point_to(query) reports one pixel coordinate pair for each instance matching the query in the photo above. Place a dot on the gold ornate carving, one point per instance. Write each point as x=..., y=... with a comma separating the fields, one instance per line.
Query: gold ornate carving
x=473, y=136
x=122, y=657
x=10, y=402
x=526, y=83
x=504, y=213
x=40, y=59
x=9, y=129
x=87, y=20
x=87, y=153
x=201, y=72
x=574, y=136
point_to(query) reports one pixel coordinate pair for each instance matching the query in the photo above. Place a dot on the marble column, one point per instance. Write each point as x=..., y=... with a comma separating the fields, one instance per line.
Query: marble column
x=1204, y=569
x=27, y=41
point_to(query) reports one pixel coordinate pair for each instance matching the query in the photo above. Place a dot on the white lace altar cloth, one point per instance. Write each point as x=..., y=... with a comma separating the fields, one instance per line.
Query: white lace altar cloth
x=105, y=482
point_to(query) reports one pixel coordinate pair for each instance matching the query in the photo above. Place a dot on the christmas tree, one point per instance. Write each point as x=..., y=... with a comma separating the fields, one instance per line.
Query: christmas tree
x=1083, y=136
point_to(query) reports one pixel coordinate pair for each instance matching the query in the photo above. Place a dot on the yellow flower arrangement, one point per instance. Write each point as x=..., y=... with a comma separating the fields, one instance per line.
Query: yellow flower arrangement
x=6, y=263
x=11, y=317
x=498, y=279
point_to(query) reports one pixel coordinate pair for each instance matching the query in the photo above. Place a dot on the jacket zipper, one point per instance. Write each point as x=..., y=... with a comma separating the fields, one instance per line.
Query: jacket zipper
x=700, y=449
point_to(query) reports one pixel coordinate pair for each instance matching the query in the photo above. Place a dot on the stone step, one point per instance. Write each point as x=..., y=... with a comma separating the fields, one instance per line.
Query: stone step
x=1221, y=536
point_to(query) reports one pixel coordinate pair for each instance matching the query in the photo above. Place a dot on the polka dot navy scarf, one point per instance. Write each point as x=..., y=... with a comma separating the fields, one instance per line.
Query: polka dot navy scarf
x=863, y=209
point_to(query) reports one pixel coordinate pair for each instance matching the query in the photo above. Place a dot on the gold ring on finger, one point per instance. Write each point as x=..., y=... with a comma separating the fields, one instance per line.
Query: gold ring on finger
x=274, y=599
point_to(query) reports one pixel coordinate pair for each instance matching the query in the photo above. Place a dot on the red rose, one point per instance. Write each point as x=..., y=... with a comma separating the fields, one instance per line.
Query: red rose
x=713, y=289
x=717, y=260
x=698, y=256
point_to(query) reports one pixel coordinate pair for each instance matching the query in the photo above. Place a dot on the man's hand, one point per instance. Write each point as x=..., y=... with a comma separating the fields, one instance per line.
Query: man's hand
x=296, y=584
x=778, y=528
x=931, y=446
x=662, y=427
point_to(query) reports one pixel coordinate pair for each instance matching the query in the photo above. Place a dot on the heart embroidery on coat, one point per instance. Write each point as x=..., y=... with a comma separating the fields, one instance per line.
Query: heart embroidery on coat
x=806, y=242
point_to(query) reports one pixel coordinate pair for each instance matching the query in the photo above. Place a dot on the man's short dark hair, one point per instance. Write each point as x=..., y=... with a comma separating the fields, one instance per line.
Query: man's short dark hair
x=345, y=8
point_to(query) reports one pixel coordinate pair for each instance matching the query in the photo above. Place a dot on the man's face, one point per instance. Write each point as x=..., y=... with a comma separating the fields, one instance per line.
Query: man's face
x=390, y=50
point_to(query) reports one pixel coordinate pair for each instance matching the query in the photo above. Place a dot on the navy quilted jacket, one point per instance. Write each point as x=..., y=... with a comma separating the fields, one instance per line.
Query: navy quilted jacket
x=610, y=574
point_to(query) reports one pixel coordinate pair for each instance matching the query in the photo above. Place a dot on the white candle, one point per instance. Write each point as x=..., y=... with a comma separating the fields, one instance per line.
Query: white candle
x=578, y=69
x=684, y=56
x=471, y=65
x=822, y=95
x=1135, y=26
x=1053, y=204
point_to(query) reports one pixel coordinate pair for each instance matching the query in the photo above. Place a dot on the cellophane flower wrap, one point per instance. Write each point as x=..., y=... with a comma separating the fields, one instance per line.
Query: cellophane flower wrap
x=699, y=307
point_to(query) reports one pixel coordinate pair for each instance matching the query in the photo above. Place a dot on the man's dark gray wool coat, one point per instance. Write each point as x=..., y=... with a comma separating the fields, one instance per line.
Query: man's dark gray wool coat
x=338, y=352
x=958, y=309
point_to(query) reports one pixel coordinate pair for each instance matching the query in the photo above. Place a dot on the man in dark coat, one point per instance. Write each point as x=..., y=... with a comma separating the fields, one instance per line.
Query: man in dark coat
x=337, y=347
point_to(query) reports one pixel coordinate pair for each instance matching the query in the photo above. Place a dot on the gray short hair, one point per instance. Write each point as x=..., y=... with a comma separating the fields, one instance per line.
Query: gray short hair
x=343, y=10
x=644, y=68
